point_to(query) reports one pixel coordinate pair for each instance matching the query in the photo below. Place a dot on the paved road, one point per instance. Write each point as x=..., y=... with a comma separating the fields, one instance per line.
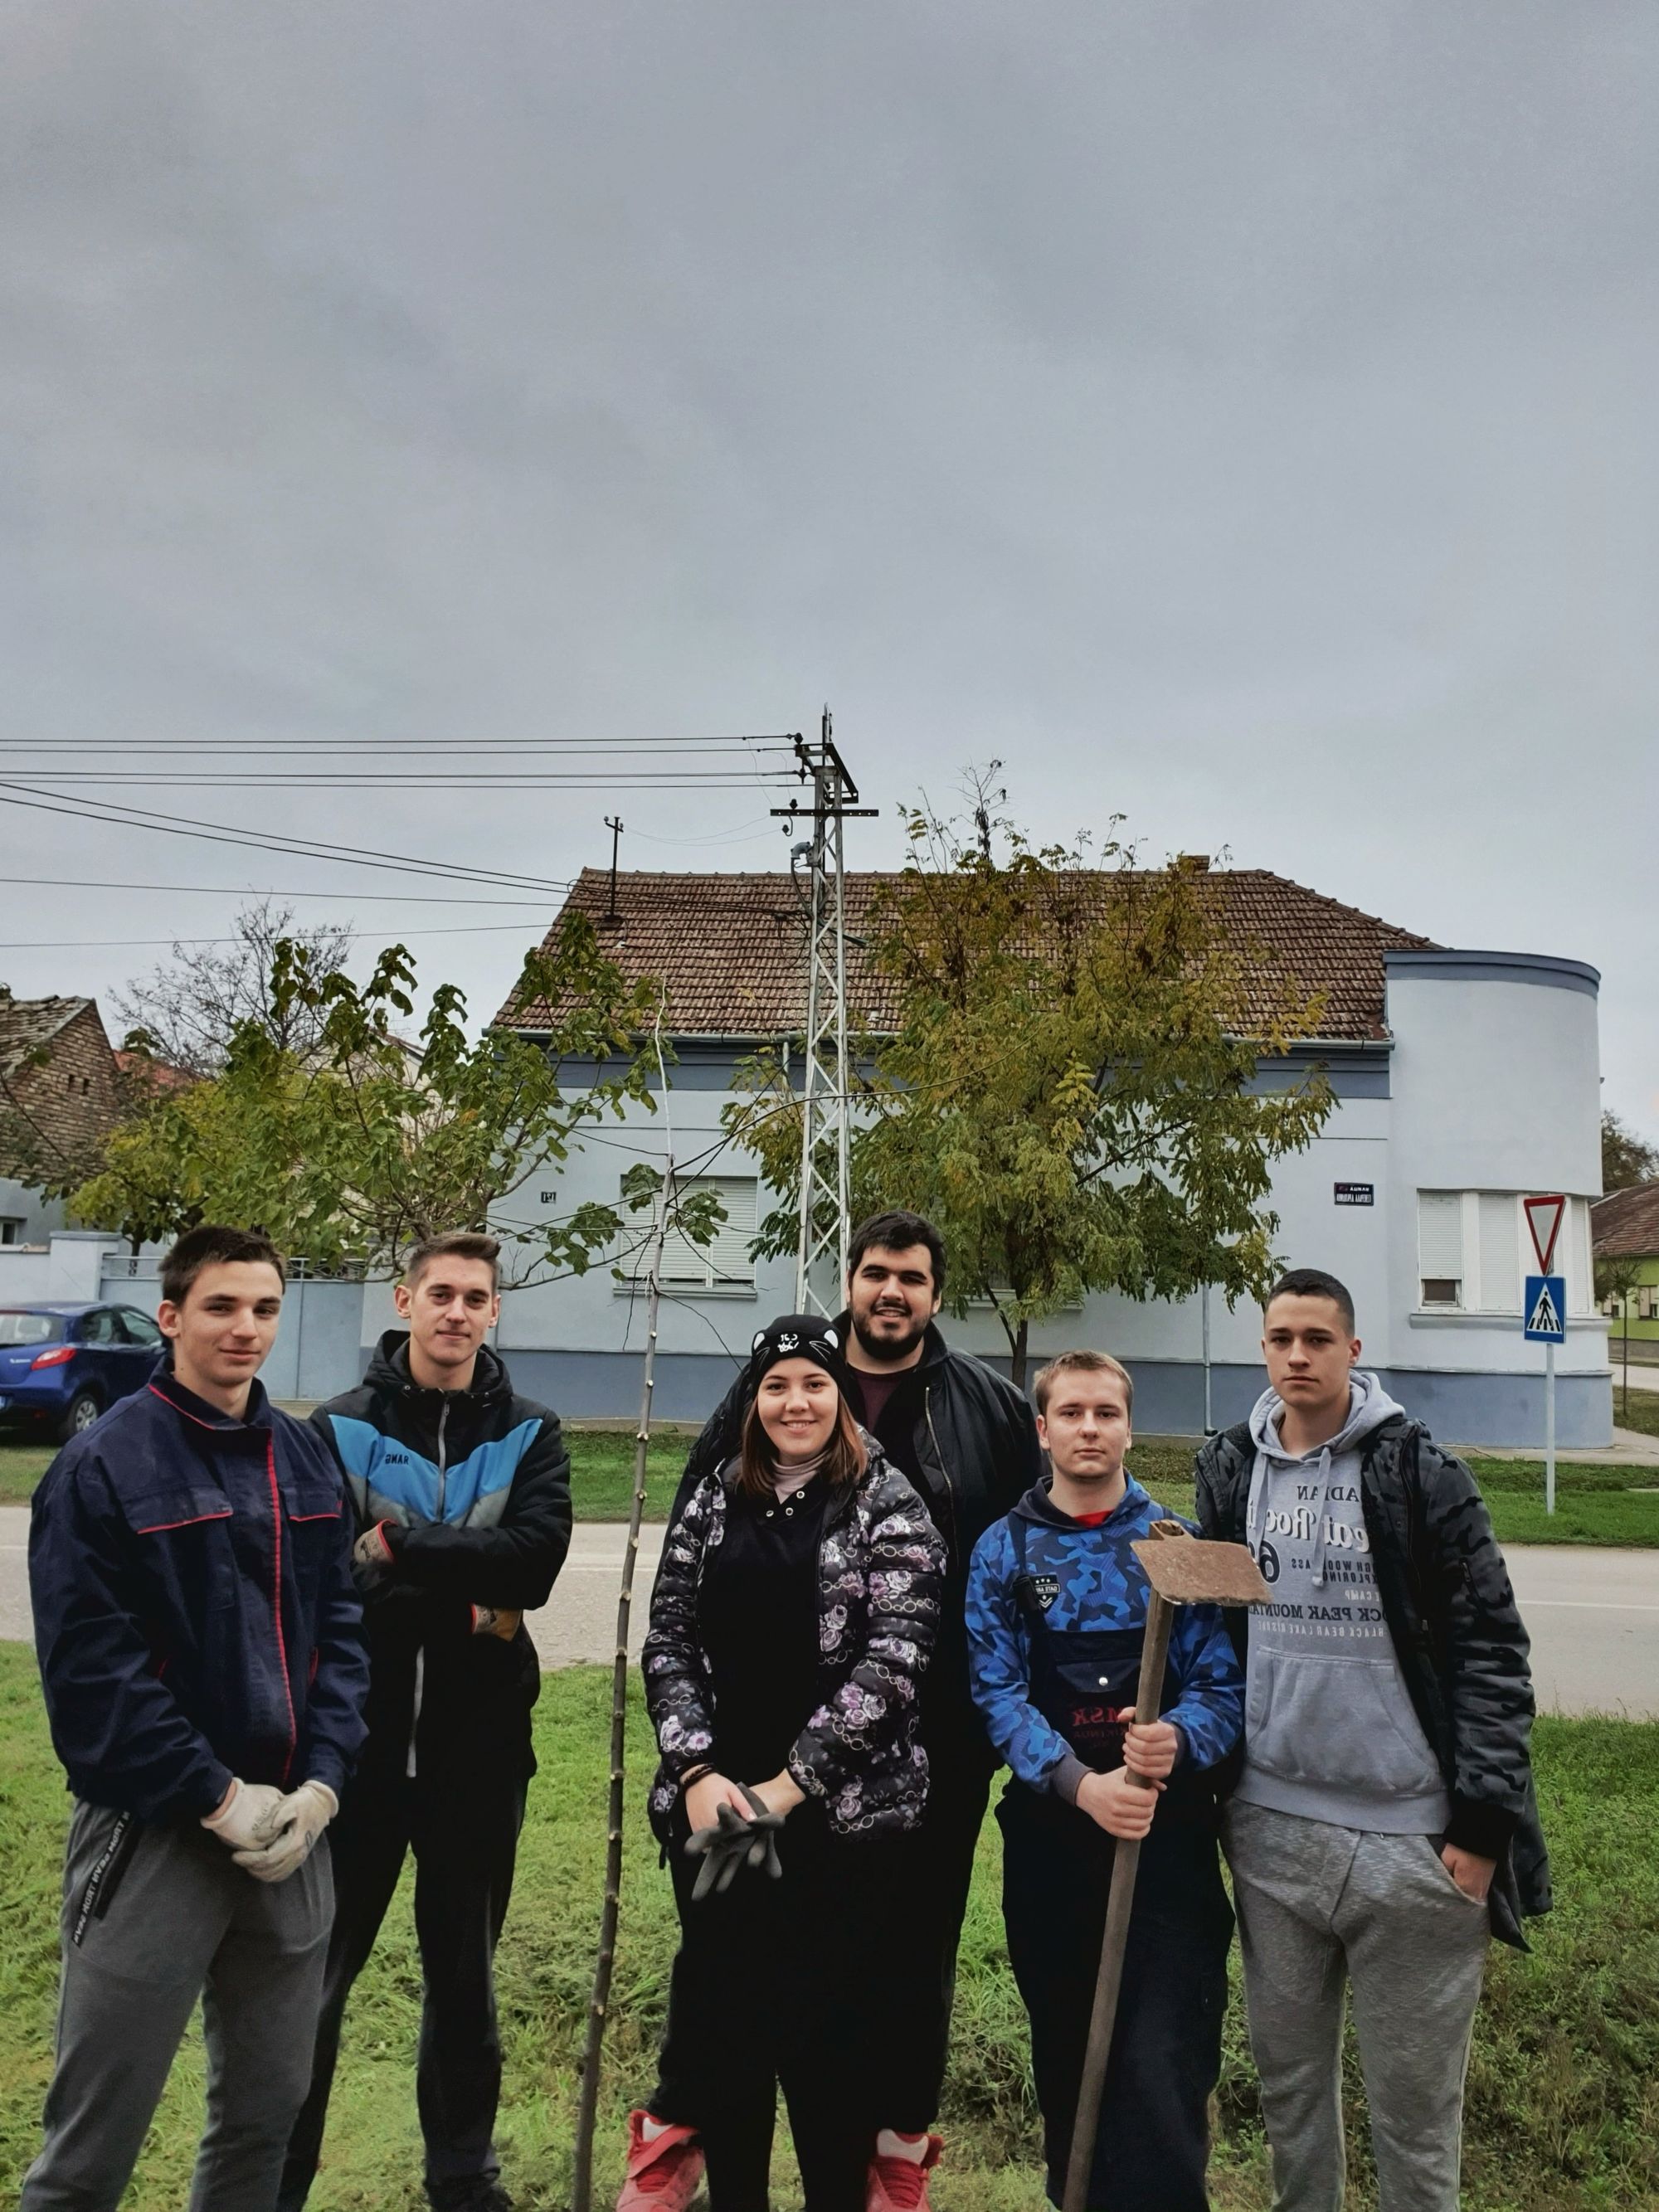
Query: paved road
x=1593, y=1614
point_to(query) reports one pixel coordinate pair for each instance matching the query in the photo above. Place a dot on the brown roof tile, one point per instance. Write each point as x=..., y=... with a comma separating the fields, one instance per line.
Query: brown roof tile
x=729, y=948
x=1625, y=1224
x=25, y=1024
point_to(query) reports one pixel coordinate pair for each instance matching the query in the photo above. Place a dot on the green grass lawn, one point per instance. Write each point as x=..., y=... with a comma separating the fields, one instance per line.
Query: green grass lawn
x=1564, y=2087
x=1641, y=1412
x=1594, y=1504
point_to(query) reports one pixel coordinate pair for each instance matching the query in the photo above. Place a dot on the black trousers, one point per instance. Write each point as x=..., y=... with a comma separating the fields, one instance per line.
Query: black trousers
x=464, y=1837
x=926, y=1878
x=780, y=1984
x=1153, y=2143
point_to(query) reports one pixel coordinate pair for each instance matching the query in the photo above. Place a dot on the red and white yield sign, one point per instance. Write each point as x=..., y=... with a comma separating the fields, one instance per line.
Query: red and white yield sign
x=1544, y=1220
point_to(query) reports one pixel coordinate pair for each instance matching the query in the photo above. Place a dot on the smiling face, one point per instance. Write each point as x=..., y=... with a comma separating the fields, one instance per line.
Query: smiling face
x=222, y=1329
x=1311, y=1354
x=451, y=1306
x=798, y=1406
x=1086, y=1427
x=892, y=1297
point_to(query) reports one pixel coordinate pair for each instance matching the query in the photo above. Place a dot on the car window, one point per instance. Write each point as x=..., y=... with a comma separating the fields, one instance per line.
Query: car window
x=140, y=1329
x=101, y=1327
x=30, y=1327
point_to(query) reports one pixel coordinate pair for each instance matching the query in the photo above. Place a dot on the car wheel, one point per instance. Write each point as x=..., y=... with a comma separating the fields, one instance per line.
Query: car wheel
x=83, y=1410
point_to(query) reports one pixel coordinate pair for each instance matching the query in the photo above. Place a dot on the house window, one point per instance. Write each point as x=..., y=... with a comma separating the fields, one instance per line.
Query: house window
x=9, y=1228
x=1440, y=1246
x=723, y=1265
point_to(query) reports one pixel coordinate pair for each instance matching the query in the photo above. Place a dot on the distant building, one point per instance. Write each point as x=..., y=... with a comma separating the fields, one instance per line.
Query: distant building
x=1463, y=1080
x=60, y=1097
x=1624, y=1225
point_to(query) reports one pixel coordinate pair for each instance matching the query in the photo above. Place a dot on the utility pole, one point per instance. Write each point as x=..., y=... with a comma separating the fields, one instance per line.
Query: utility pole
x=613, y=824
x=826, y=1085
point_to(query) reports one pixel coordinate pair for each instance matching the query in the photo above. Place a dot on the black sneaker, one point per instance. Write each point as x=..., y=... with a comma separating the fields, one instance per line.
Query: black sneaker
x=479, y=2196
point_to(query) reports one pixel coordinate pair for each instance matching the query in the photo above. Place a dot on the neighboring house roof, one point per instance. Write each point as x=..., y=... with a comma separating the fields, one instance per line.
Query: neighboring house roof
x=25, y=1024
x=159, y=1074
x=1624, y=1225
x=730, y=949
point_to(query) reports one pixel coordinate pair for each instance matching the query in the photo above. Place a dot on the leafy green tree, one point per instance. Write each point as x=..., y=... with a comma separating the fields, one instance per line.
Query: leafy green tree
x=1626, y=1159
x=356, y=1150
x=1069, y=1092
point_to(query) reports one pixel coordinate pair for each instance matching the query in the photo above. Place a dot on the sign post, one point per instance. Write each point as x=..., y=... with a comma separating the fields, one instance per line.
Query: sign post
x=1544, y=1314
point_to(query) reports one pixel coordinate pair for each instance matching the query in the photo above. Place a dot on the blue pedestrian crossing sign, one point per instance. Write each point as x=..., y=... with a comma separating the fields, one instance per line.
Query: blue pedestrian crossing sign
x=1545, y=1310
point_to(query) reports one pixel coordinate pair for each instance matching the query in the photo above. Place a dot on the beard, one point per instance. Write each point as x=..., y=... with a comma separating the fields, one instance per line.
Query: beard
x=887, y=1350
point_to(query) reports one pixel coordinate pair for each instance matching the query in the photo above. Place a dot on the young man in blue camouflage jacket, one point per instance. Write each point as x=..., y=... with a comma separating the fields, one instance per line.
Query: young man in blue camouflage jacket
x=1056, y=1616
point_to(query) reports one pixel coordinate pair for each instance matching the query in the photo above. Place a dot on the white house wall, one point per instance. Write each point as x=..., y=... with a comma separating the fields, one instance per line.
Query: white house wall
x=1491, y=1083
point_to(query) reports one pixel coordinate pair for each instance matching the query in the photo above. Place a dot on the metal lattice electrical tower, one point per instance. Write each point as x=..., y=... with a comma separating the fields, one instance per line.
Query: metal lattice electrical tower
x=826, y=1088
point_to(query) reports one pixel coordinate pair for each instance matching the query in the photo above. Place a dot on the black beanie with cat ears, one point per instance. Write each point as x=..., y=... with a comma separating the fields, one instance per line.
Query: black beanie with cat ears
x=799, y=1336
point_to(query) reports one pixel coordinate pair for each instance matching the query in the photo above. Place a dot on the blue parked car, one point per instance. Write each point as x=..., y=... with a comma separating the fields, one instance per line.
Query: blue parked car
x=63, y=1365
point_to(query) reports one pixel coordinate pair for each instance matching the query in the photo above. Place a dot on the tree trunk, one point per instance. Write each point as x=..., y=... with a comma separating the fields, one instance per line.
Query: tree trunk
x=581, y=2188
x=1017, y=1366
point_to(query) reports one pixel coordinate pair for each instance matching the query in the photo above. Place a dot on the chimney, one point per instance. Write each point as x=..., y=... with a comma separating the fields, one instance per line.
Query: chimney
x=1193, y=864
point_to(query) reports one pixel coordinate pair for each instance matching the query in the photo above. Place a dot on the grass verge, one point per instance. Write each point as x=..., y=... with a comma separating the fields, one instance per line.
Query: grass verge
x=1595, y=1504
x=1563, y=2085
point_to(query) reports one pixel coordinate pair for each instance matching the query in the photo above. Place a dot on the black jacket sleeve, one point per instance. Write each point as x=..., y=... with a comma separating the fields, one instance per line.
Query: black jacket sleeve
x=716, y=1442
x=514, y=1564
x=677, y=1693
x=1484, y=1655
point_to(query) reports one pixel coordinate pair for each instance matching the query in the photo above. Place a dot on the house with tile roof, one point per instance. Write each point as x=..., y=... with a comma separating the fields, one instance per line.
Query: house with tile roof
x=1463, y=1081
x=1624, y=1225
x=60, y=1097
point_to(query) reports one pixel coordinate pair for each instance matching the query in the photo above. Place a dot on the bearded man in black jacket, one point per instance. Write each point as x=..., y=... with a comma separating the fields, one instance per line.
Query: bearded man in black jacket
x=461, y=1494
x=967, y=1440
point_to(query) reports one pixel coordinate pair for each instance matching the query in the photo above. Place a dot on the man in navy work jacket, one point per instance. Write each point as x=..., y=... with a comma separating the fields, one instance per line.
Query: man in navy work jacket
x=461, y=1494
x=204, y=1676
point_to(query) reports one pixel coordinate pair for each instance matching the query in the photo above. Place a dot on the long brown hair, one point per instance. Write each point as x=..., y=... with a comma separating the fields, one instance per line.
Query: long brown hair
x=845, y=1457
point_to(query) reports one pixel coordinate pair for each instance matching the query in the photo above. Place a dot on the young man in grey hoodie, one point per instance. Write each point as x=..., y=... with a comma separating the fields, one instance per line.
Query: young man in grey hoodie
x=1384, y=1824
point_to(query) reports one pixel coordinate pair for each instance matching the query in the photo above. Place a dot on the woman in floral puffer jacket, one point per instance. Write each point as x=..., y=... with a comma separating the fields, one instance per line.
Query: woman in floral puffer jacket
x=792, y=1620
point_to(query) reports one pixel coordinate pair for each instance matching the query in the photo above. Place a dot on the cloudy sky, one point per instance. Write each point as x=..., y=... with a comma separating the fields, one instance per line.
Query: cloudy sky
x=1239, y=419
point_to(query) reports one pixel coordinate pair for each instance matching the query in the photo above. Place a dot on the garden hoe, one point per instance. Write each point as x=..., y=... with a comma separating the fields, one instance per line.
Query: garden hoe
x=1182, y=1570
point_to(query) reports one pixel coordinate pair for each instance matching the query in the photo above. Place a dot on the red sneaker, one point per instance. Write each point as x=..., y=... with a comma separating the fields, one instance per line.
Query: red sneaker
x=900, y=2185
x=664, y=2174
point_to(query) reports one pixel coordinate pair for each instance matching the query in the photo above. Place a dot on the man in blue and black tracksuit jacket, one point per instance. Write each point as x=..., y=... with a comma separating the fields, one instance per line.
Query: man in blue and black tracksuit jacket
x=461, y=1494
x=200, y=1649
x=1056, y=1616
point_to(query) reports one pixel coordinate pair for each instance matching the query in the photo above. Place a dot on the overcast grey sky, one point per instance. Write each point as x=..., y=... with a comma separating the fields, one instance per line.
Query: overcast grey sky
x=1239, y=418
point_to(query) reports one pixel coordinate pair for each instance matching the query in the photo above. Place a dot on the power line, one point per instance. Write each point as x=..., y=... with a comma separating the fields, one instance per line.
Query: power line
x=242, y=890
x=123, y=817
x=408, y=779
x=388, y=748
x=104, y=944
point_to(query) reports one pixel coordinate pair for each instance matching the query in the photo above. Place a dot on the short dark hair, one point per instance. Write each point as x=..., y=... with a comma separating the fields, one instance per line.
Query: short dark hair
x=897, y=1232
x=214, y=1245
x=1082, y=1363
x=458, y=1244
x=1314, y=1282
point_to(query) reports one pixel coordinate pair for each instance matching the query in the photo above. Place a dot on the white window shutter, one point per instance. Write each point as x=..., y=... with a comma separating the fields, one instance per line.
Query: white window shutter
x=1440, y=1234
x=1500, y=1252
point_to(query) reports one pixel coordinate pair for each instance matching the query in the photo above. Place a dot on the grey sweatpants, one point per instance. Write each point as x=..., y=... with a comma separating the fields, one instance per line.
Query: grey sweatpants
x=1319, y=1907
x=153, y=1918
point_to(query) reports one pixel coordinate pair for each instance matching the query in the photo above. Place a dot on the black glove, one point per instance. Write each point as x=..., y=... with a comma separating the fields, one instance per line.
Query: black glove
x=734, y=1842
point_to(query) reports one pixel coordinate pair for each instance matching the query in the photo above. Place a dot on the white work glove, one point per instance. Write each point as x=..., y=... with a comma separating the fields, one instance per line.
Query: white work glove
x=240, y=1819
x=283, y=1839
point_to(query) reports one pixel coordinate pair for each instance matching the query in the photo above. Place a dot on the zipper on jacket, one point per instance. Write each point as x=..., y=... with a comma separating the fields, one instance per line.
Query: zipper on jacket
x=420, y=1654
x=950, y=1534
x=276, y=1599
